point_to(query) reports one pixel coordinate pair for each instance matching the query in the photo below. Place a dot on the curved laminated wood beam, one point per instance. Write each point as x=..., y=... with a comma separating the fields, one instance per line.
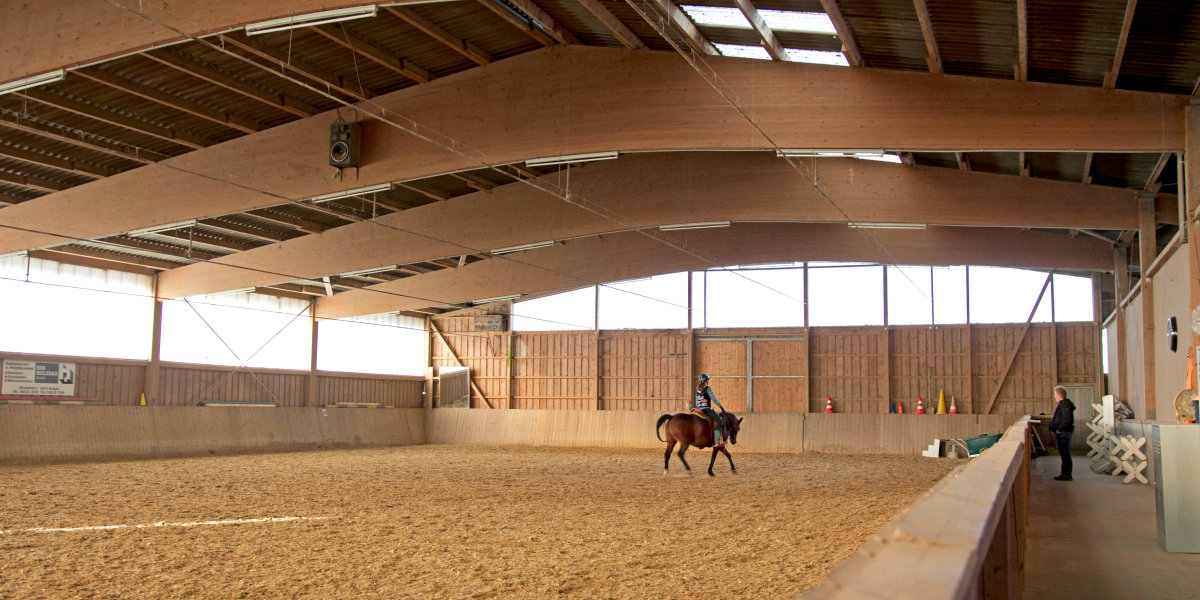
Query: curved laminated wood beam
x=577, y=93
x=650, y=190
x=631, y=255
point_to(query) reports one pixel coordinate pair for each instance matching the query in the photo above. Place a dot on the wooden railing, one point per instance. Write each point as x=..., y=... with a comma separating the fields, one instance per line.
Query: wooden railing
x=965, y=538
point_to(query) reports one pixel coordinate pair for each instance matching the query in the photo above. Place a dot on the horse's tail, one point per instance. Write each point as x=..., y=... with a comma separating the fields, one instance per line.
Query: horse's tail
x=658, y=426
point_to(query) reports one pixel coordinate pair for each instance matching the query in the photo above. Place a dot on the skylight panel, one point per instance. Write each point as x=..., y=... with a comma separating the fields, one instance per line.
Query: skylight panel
x=817, y=57
x=716, y=16
x=804, y=22
x=738, y=51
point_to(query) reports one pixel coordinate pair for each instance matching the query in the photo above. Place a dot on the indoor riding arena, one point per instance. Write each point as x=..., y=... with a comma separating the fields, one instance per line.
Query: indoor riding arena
x=628, y=299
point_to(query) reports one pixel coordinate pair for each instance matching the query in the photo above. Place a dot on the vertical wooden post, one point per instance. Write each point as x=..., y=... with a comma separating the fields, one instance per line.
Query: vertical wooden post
x=596, y=326
x=150, y=382
x=596, y=380
x=887, y=368
x=1098, y=320
x=805, y=296
x=749, y=375
x=970, y=370
x=429, y=370
x=1147, y=250
x=1053, y=337
x=885, y=297
x=808, y=344
x=1190, y=197
x=689, y=372
x=509, y=359
x=311, y=394
x=932, y=301
x=1120, y=290
x=970, y=345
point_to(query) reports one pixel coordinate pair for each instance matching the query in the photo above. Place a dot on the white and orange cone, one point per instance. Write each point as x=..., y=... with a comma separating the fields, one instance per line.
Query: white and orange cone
x=899, y=407
x=920, y=406
x=828, y=404
x=953, y=406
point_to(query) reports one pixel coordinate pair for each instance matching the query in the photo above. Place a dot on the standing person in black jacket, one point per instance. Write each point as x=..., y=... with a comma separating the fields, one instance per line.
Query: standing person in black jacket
x=1062, y=424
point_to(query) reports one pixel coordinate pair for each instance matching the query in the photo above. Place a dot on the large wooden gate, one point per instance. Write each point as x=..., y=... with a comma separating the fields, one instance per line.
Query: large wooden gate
x=756, y=374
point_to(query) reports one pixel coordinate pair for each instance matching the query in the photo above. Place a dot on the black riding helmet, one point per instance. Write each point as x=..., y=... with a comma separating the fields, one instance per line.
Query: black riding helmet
x=704, y=378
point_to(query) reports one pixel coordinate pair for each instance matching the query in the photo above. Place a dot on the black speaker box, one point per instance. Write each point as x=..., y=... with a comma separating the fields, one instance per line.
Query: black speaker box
x=345, y=142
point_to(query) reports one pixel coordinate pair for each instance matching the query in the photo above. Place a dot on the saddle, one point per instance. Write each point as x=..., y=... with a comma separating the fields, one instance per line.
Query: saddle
x=700, y=413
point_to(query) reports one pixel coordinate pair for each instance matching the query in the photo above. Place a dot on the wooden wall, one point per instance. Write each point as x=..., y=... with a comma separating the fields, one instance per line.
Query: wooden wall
x=848, y=365
x=760, y=432
x=121, y=382
x=68, y=433
x=555, y=371
x=862, y=369
x=643, y=370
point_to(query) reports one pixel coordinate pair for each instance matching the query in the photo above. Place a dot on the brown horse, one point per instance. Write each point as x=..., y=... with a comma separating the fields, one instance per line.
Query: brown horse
x=691, y=430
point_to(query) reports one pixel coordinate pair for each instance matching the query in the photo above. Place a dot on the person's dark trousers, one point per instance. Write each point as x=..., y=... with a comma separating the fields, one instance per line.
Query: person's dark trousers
x=1063, y=440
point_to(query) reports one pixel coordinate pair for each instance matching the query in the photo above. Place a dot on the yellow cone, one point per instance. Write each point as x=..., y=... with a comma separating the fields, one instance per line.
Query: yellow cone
x=143, y=399
x=941, y=402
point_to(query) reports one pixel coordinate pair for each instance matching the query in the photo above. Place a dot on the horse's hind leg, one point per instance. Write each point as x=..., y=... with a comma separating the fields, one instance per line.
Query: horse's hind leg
x=683, y=448
x=711, y=461
x=667, y=456
x=731, y=467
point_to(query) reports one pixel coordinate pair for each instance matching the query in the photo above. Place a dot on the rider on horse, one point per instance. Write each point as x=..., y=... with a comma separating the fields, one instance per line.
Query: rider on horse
x=705, y=398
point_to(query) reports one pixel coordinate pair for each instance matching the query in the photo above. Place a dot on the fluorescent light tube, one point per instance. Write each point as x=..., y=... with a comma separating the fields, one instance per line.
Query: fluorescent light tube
x=371, y=189
x=522, y=247
x=308, y=20
x=701, y=225
x=571, y=158
x=812, y=153
x=372, y=271
x=30, y=82
x=496, y=299
x=886, y=225
x=162, y=228
x=246, y=290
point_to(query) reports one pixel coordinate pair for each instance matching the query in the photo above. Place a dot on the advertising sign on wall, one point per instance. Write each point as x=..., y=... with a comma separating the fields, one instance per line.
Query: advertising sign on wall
x=32, y=378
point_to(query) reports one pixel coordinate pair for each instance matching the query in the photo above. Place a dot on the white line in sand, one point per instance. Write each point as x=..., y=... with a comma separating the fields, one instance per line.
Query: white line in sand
x=160, y=524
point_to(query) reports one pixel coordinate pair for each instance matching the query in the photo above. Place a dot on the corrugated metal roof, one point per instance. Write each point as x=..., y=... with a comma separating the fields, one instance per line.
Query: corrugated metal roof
x=1063, y=166
x=1163, y=52
x=1073, y=45
x=975, y=37
x=56, y=176
x=571, y=15
x=887, y=33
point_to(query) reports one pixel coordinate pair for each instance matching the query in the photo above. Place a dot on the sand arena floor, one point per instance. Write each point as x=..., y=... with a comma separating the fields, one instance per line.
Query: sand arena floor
x=446, y=522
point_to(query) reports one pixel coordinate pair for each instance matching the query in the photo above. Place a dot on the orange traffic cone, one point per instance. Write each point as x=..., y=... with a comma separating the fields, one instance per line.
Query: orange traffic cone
x=899, y=407
x=920, y=406
x=828, y=404
x=953, y=406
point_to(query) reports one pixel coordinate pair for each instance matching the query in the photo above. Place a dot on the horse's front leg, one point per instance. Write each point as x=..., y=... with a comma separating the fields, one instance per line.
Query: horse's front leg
x=711, y=461
x=731, y=467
